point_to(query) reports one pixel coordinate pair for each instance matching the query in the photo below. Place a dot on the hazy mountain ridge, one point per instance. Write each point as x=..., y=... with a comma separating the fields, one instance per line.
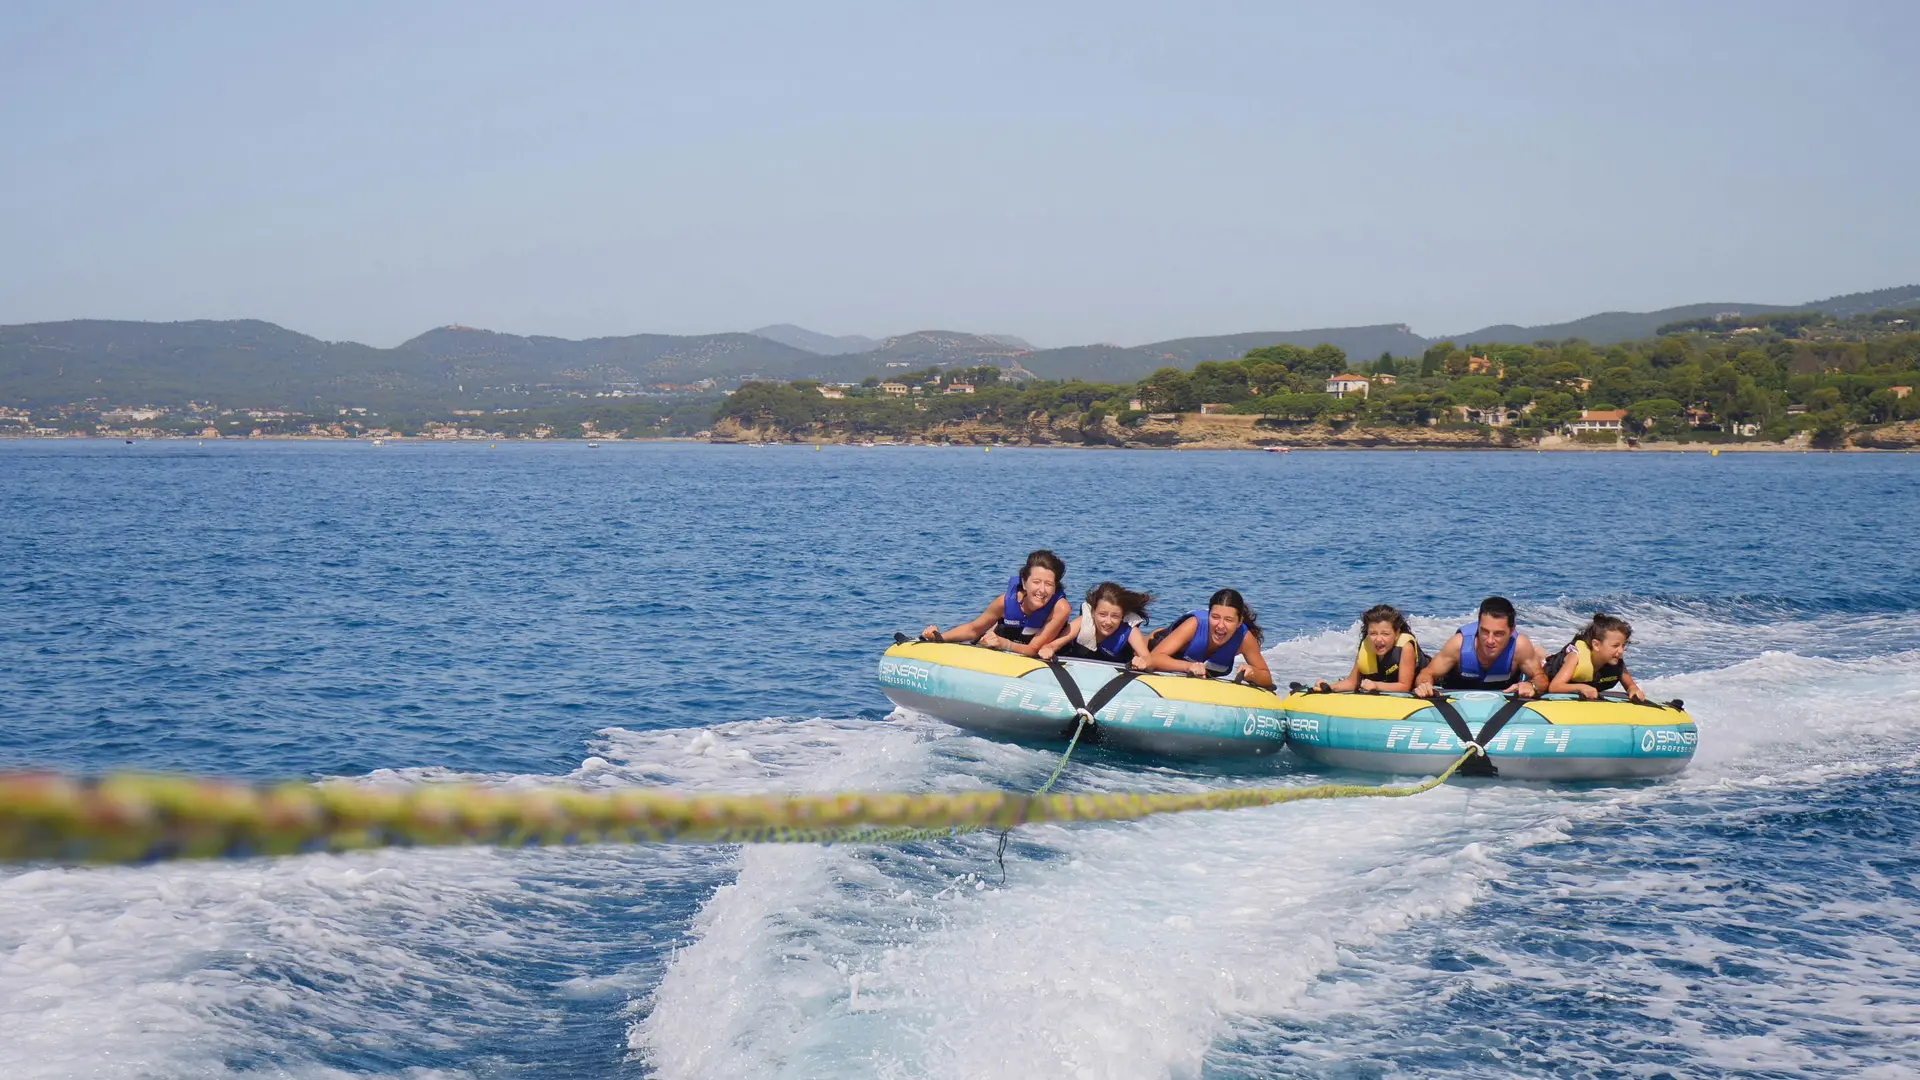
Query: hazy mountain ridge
x=635, y=358
x=253, y=363
x=941, y=347
x=814, y=342
x=828, y=345
x=1611, y=327
x=199, y=359
x=1114, y=363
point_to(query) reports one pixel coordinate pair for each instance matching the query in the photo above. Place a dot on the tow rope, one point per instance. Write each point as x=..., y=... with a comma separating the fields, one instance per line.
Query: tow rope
x=1084, y=714
x=132, y=818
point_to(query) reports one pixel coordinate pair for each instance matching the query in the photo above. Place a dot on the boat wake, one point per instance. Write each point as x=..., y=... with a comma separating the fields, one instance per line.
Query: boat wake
x=1682, y=925
x=1168, y=946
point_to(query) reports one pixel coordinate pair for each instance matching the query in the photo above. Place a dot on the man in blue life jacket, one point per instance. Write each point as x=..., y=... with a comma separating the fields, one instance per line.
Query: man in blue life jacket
x=1489, y=655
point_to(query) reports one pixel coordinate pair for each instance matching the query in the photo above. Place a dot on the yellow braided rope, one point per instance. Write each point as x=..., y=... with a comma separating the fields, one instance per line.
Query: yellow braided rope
x=141, y=818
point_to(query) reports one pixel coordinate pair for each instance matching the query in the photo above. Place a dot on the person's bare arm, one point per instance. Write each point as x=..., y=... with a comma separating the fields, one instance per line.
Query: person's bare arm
x=1351, y=682
x=1049, y=648
x=1438, y=667
x=1527, y=655
x=1634, y=693
x=1256, y=670
x=1047, y=633
x=971, y=630
x=1138, y=642
x=1164, y=658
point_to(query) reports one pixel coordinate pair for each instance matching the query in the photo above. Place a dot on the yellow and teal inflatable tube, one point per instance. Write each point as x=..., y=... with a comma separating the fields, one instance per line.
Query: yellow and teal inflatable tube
x=1017, y=697
x=1558, y=737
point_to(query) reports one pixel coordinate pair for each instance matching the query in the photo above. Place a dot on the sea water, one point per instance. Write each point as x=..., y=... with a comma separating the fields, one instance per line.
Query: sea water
x=708, y=619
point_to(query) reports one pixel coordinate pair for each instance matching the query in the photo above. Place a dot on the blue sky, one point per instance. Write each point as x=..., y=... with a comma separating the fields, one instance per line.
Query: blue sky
x=1067, y=172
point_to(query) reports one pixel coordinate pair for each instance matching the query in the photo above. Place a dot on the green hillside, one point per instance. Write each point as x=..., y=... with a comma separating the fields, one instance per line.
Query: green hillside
x=1112, y=363
x=253, y=363
x=636, y=359
x=257, y=364
x=1613, y=327
x=166, y=363
x=1768, y=378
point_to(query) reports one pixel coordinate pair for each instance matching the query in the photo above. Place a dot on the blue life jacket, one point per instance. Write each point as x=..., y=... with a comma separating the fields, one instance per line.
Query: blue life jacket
x=1469, y=676
x=1221, y=661
x=1016, y=621
x=1114, y=648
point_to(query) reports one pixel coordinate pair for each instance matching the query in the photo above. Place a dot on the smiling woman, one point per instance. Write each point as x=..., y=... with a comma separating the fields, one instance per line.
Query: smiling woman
x=1030, y=613
x=1230, y=635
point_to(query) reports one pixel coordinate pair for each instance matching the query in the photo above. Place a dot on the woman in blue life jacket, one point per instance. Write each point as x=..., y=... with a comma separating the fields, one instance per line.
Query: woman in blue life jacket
x=1107, y=628
x=1595, y=661
x=1389, y=656
x=1031, y=611
x=1203, y=643
x=1487, y=654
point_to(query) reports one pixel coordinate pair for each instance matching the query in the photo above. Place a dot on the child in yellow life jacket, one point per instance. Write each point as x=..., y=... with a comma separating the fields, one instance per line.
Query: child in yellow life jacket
x=1389, y=656
x=1595, y=661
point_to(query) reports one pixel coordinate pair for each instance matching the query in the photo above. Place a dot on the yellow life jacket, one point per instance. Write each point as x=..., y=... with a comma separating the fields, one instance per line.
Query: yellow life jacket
x=1583, y=672
x=1382, y=668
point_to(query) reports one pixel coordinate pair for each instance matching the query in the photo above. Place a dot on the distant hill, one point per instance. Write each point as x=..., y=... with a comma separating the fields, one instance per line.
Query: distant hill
x=936, y=346
x=1611, y=327
x=1866, y=303
x=1113, y=363
x=248, y=362
x=819, y=344
x=1110, y=363
x=243, y=361
x=940, y=347
x=636, y=359
x=252, y=363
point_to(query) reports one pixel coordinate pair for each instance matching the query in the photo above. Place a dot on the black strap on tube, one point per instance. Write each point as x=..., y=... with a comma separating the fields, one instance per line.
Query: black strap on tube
x=1101, y=697
x=1507, y=711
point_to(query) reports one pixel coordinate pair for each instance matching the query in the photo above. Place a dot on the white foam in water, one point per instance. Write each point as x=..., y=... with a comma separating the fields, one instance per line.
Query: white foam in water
x=173, y=969
x=1115, y=957
x=1129, y=950
x=1115, y=950
x=158, y=971
x=1774, y=728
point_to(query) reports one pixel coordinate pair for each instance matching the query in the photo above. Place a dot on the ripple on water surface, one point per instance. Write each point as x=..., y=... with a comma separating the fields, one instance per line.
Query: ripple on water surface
x=707, y=618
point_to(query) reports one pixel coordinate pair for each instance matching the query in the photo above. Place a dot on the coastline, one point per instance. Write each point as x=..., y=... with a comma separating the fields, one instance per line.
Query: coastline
x=1549, y=445
x=1197, y=431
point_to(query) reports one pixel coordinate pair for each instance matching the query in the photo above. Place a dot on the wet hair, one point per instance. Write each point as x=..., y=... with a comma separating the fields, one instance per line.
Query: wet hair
x=1126, y=599
x=1500, y=608
x=1047, y=559
x=1603, y=624
x=1232, y=598
x=1386, y=613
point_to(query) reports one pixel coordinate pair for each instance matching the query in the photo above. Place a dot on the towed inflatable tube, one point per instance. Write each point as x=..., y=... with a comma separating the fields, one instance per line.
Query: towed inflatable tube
x=1017, y=697
x=1557, y=737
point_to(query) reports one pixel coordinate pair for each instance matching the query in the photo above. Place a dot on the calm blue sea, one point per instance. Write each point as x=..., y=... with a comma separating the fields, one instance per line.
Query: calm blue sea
x=708, y=618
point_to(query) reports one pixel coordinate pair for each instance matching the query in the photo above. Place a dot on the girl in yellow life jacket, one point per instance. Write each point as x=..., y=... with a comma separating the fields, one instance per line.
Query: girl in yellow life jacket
x=1389, y=656
x=1595, y=661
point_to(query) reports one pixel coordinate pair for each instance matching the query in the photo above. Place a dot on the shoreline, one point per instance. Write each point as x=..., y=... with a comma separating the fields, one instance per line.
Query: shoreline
x=1476, y=447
